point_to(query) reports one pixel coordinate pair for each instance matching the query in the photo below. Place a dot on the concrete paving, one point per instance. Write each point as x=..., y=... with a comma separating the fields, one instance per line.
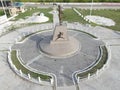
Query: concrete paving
x=10, y=81
x=88, y=54
x=107, y=80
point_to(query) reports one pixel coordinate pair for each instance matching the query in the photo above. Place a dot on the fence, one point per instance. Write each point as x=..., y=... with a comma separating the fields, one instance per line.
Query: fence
x=28, y=76
x=98, y=71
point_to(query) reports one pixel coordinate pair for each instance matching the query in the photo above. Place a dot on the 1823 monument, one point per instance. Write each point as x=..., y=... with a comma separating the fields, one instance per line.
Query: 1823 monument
x=61, y=45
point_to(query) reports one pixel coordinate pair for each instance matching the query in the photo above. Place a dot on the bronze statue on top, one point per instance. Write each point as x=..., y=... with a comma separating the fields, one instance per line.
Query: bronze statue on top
x=60, y=14
x=60, y=35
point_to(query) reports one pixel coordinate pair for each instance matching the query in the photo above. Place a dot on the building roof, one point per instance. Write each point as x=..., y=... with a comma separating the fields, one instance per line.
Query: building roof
x=18, y=4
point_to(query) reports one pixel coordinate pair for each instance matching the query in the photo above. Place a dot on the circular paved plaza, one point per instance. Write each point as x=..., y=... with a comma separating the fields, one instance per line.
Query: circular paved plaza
x=110, y=76
x=63, y=68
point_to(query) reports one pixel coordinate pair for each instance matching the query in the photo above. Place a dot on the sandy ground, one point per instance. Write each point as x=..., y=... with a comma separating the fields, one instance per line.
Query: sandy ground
x=37, y=19
x=101, y=20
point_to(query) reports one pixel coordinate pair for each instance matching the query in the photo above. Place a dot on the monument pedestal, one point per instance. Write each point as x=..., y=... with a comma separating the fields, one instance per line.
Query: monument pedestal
x=61, y=46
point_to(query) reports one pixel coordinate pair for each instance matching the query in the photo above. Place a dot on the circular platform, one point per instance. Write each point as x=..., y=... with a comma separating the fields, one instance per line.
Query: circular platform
x=63, y=68
x=59, y=49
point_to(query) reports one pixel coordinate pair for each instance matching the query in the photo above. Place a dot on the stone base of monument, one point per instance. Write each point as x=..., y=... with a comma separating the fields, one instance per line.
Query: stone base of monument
x=60, y=48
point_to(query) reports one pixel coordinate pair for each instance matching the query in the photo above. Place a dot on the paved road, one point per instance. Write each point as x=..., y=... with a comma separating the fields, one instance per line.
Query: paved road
x=79, y=5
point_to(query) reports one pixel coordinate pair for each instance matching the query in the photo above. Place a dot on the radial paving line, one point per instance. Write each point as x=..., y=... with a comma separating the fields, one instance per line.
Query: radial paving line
x=75, y=34
x=90, y=56
x=62, y=78
x=34, y=59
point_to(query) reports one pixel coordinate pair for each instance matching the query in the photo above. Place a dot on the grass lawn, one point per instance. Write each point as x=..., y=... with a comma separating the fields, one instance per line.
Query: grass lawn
x=98, y=66
x=25, y=70
x=71, y=16
x=112, y=14
x=1, y=12
x=30, y=12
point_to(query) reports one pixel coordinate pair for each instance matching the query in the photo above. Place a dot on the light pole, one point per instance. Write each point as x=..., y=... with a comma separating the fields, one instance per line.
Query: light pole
x=91, y=8
x=3, y=7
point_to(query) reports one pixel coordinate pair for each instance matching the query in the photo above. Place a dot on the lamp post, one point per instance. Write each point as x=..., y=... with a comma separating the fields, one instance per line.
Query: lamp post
x=91, y=8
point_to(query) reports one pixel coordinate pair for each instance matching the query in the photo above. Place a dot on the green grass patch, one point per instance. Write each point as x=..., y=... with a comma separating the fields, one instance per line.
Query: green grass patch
x=19, y=66
x=98, y=66
x=112, y=14
x=34, y=10
x=1, y=12
x=71, y=16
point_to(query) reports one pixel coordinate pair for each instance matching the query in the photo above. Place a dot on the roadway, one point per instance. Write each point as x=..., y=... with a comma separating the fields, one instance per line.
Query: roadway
x=78, y=5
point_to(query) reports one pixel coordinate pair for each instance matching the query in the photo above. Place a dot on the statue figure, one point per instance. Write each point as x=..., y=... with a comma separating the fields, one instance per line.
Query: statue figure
x=60, y=14
x=60, y=35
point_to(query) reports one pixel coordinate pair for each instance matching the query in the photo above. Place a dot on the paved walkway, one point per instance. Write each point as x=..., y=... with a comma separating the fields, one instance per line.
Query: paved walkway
x=108, y=80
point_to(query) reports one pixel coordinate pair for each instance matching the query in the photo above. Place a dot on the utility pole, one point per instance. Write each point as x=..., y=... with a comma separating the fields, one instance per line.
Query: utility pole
x=91, y=8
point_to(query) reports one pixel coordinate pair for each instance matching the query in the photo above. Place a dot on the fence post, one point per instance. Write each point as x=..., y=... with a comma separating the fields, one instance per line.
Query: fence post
x=97, y=72
x=39, y=79
x=29, y=76
x=78, y=79
x=82, y=16
x=20, y=72
x=51, y=80
x=89, y=76
x=14, y=67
